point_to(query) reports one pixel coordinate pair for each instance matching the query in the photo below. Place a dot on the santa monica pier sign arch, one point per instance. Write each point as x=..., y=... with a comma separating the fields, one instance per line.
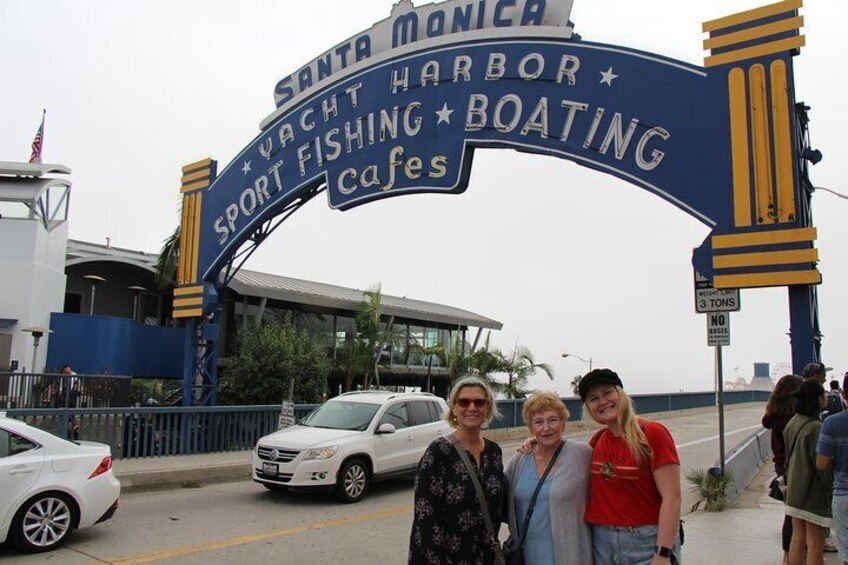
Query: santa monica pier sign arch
x=401, y=107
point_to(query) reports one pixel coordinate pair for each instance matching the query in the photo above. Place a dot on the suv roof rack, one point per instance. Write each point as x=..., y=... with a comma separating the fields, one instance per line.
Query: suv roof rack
x=392, y=394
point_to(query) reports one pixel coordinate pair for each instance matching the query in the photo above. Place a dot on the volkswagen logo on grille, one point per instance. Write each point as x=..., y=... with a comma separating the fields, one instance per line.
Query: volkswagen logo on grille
x=275, y=454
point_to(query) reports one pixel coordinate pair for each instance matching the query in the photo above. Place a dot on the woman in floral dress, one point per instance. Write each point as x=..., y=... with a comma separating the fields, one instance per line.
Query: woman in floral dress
x=448, y=527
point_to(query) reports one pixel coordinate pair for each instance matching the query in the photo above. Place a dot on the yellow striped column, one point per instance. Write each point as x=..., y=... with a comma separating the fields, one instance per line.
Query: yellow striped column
x=771, y=249
x=188, y=296
x=760, y=113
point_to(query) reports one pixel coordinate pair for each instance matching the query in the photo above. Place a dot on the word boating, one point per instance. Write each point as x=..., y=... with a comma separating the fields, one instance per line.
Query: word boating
x=306, y=142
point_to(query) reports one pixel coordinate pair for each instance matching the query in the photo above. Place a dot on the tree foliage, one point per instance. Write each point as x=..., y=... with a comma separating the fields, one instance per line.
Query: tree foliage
x=362, y=354
x=268, y=357
x=519, y=364
x=166, y=262
x=575, y=384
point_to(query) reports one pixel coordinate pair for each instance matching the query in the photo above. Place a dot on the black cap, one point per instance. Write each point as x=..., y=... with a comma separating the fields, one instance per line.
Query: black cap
x=598, y=377
x=814, y=369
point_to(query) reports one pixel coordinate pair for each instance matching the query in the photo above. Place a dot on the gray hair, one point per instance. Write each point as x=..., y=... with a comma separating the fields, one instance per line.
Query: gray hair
x=462, y=383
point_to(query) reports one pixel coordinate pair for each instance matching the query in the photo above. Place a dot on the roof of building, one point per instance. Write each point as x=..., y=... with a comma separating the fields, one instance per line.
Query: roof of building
x=287, y=289
x=26, y=189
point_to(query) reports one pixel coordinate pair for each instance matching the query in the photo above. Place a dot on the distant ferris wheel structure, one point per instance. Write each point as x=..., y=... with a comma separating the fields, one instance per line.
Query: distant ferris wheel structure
x=780, y=369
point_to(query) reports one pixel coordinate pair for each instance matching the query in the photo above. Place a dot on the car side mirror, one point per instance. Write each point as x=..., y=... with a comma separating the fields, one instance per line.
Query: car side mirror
x=386, y=429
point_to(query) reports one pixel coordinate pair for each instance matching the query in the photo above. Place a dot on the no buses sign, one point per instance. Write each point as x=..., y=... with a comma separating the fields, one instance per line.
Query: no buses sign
x=718, y=329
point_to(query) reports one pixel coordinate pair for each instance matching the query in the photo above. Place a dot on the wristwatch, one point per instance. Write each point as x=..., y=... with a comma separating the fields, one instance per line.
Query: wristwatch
x=662, y=551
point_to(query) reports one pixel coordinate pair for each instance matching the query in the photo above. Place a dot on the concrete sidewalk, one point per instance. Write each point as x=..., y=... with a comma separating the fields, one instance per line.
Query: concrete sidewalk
x=748, y=533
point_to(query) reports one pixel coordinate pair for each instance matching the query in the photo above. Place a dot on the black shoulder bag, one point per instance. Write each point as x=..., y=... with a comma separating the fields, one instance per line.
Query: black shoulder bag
x=513, y=547
x=481, y=498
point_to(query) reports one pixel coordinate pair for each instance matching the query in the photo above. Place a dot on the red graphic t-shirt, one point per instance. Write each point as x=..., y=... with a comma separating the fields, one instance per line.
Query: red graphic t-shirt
x=622, y=493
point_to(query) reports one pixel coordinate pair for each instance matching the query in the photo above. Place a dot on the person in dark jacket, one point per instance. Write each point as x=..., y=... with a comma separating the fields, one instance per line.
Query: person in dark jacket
x=779, y=410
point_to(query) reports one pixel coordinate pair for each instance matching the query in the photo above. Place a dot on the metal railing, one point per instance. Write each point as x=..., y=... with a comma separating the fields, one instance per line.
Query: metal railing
x=153, y=431
x=59, y=390
x=158, y=431
x=645, y=403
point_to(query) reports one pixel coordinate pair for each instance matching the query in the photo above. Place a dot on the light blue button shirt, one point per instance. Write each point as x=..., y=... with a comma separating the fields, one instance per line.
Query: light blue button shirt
x=539, y=546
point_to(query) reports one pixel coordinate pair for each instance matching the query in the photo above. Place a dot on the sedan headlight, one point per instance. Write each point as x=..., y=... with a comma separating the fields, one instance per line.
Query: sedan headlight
x=321, y=452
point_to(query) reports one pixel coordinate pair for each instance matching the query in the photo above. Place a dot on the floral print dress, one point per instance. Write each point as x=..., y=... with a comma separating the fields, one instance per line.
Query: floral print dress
x=448, y=527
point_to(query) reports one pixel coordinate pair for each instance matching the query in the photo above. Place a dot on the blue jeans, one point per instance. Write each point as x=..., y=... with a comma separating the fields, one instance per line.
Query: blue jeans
x=840, y=525
x=613, y=545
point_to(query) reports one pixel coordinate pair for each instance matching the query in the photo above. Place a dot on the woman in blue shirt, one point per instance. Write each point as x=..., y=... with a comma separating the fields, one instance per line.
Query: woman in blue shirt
x=556, y=532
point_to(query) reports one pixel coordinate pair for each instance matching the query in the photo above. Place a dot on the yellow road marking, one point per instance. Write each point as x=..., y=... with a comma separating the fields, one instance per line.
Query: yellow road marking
x=231, y=542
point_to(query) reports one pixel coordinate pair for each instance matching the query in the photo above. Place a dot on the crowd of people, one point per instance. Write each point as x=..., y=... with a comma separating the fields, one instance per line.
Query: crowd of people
x=613, y=501
x=809, y=438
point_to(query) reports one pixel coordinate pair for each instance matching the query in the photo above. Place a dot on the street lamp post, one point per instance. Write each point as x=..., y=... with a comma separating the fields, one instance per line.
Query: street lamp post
x=95, y=279
x=137, y=289
x=37, y=332
x=589, y=360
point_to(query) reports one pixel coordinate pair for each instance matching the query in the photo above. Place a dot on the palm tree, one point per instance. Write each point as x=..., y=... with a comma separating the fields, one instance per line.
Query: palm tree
x=461, y=361
x=575, y=384
x=376, y=334
x=353, y=358
x=166, y=263
x=518, y=365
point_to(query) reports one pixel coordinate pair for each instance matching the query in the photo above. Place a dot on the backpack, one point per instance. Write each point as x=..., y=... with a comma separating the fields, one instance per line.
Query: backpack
x=834, y=402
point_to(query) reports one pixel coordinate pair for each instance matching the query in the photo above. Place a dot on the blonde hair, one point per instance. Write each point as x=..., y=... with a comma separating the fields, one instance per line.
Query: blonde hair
x=543, y=402
x=492, y=410
x=631, y=431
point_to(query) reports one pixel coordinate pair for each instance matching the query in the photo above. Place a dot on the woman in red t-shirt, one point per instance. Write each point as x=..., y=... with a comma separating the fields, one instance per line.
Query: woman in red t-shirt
x=634, y=494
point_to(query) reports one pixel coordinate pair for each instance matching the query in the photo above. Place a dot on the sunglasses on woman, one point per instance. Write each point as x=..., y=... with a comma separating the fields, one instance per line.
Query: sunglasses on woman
x=466, y=402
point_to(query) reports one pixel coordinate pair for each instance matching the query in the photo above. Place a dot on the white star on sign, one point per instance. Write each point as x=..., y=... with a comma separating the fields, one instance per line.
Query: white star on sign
x=444, y=114
x=246, y=168
x=608, y=77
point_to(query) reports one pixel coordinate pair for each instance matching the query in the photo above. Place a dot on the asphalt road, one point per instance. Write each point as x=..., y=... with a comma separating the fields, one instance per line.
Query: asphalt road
x=241, y=522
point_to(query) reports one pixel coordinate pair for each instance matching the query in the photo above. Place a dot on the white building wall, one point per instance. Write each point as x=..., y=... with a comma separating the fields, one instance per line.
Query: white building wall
x=32, y=279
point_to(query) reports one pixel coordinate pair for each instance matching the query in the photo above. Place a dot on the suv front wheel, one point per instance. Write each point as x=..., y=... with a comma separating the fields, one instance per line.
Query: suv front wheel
x=354, y=479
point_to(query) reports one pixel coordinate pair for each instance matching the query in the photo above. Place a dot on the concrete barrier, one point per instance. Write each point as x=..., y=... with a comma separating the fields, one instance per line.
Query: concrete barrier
x=745, y=461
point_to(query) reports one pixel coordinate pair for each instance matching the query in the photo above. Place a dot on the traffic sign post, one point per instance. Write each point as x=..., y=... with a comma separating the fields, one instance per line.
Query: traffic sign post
x=720, y=385
x=717, y=305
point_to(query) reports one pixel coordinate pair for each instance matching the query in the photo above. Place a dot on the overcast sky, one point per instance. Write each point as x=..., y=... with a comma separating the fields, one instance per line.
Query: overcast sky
x=569, y=259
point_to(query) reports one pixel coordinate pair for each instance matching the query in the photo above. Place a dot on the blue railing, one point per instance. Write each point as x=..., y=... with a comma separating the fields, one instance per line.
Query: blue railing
x=645, y=403
x=154, y=431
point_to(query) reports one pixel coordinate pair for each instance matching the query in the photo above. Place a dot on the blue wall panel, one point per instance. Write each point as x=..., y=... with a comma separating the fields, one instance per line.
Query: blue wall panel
x=115, y=346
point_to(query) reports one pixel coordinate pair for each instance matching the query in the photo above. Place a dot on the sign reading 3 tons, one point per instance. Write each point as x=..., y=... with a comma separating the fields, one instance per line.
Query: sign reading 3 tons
x=709, y=299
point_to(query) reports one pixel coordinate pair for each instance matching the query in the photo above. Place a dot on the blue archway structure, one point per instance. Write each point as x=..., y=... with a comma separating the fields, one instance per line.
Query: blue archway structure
x=401, y=108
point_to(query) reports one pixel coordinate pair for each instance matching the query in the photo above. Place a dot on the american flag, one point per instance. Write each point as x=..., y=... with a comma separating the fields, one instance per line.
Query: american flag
x=38, y=142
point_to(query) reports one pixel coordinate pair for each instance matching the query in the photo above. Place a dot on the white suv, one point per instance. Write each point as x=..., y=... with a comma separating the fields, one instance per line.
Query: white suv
x=351, y=440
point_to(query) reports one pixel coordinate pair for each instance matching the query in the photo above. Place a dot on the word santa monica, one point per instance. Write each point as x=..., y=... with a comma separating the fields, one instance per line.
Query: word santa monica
x=407, y=25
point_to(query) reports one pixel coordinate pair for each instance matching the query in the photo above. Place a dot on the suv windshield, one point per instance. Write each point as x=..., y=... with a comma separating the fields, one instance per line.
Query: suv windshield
x=341, y=416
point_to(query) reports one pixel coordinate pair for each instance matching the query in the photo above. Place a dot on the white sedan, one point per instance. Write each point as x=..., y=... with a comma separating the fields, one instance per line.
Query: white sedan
x=51, y=486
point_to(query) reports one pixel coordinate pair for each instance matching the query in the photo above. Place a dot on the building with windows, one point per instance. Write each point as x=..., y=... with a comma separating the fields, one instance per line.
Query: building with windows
x=117, y=321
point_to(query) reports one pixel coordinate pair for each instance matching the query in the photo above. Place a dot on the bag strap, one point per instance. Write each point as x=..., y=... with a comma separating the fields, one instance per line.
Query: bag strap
x=532, y=505
x=481, y=497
